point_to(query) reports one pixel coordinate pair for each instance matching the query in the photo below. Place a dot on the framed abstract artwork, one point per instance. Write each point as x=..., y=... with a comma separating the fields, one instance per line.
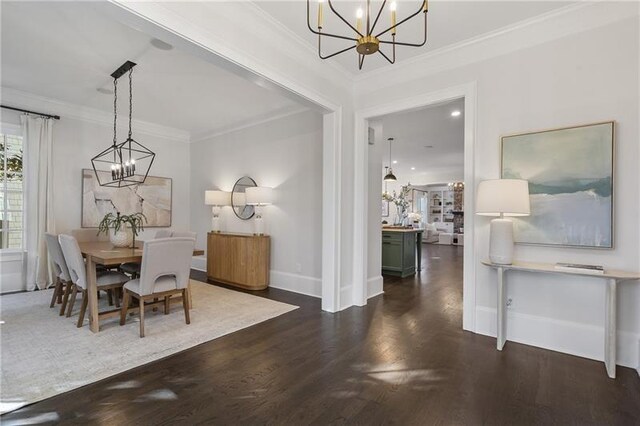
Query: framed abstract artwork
x=385, y=208
x=570, y=173
x=152, y=198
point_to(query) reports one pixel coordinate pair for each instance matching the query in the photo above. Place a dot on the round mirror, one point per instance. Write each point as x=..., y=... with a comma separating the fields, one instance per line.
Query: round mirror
x=238, y=198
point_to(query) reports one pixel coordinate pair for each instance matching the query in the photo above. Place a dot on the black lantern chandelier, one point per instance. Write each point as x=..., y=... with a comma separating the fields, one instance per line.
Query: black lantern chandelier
x=367, y=42
x=122, y=160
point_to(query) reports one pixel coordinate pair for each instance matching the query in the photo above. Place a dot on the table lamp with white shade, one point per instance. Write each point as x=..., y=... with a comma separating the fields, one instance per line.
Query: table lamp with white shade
x=502, y=197
x=216, y=199
x=259, y=196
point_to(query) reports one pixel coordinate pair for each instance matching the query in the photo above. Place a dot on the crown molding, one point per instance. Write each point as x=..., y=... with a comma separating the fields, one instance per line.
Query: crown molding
x=255, y=121
x=27, y=100
x=213, y=42
x=556, y=24
x=290, y=34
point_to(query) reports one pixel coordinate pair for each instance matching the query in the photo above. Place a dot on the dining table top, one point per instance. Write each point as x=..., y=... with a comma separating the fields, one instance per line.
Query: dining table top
x=104, y=253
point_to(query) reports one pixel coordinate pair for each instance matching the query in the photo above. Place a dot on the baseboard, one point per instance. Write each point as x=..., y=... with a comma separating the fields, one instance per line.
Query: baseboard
x=199, y=263
x=346, y=297
x=374, y=286
x=562, y=336
x=302, y=284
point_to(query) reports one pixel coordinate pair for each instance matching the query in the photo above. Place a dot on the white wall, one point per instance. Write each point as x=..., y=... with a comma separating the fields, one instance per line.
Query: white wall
x=75, y=142
x=585, y=77
x=285, y=154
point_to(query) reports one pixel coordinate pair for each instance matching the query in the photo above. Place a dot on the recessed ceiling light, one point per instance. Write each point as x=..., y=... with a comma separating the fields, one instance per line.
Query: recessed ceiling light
x=455, y=113
x=413, y=168
x=105, y=91
x=159, y=44
x=395, y=161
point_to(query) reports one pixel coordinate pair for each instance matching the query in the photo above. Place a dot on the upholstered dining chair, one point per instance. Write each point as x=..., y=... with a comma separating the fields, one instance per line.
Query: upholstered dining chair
x=164, y=272
x=106, y=280
x=133, y=268
x=62, y=278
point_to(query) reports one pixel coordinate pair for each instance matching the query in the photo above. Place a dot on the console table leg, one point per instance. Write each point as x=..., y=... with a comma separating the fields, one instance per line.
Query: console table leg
x=501, y=332
x=610, y=328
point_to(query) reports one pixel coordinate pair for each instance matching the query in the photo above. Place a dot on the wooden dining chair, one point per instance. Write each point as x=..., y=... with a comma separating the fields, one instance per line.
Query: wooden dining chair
x=62, y=279
x=164, y=272
x=105, y=280
x=133, y=268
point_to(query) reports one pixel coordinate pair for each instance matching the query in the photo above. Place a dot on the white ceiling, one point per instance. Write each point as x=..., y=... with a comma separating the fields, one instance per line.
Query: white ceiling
x=414, y=131
x=66, y=50
x=449, y=22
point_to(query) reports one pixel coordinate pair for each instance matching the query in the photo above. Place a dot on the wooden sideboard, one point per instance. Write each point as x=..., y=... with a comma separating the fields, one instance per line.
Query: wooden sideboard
x=241, y=260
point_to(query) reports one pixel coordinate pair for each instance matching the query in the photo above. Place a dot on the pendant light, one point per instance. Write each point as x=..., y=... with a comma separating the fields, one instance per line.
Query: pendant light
x=390, y=177
x=126, y=158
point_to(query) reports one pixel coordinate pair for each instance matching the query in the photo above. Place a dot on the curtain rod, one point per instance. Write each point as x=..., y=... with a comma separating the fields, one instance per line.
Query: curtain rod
x=55, y=117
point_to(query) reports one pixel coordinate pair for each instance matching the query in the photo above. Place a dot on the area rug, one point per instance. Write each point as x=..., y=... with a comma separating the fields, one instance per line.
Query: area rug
x=44, y=354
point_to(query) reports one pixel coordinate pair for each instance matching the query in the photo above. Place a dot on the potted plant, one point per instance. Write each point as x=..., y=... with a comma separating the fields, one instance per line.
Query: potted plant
x=125, y=228
x=401, y=201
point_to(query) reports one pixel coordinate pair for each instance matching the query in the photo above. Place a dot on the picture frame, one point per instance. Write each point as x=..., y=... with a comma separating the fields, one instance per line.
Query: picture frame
x=571, y=184
x=385, y=208
x=153, y=198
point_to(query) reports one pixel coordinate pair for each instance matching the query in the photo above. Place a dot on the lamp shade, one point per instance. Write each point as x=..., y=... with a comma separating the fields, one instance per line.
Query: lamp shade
x=259, y=195
x=217, y=198
x=508, y=197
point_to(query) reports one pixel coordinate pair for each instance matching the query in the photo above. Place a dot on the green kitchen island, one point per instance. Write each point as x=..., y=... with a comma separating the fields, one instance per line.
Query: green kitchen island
x=400, y=249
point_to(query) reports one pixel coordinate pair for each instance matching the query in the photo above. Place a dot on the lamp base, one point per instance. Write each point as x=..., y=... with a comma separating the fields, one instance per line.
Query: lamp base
x=215, y=219
x=501, y=242
x=259, y=229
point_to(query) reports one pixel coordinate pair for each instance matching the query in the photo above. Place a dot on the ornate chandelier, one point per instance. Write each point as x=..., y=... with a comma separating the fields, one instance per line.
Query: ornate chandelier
x=366, y=41
x=126, y=158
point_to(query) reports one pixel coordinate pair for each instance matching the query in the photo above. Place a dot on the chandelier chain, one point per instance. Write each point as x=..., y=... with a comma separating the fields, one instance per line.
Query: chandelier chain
x=115, y=109
x=130, y=100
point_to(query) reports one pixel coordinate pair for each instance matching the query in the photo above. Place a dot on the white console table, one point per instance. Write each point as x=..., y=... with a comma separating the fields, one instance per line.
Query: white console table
x=612, y=278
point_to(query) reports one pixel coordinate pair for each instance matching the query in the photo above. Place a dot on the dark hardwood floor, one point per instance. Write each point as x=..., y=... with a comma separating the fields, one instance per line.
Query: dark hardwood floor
x=402, y=359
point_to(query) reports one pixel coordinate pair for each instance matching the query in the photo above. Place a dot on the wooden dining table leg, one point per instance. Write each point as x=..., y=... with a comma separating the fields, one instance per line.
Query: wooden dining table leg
x=92, y=288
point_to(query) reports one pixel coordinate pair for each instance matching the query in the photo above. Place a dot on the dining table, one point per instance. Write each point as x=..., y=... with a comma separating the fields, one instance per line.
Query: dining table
x=104, y=253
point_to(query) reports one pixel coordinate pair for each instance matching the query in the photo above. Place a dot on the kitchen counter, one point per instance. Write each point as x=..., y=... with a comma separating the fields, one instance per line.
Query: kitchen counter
x=400, y=249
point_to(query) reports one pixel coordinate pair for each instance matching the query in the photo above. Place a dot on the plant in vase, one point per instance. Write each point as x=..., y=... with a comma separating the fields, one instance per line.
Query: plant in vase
x=125, y=228
x=401, y=202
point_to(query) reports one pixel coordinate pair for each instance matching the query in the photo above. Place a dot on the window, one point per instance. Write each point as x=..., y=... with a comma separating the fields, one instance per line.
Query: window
x=11, y=199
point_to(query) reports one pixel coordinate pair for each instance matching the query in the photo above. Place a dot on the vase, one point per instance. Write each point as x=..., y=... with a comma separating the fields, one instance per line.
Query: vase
x=122, y=238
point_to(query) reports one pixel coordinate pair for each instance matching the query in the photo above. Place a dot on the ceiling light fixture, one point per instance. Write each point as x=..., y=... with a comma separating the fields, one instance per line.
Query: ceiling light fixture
x=366, y=42
x=413, y=168
x=390, y=177
x=455, y=113
x=125, y=158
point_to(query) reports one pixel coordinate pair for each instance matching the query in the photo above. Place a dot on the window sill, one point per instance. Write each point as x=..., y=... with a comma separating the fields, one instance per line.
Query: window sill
x=11, y=255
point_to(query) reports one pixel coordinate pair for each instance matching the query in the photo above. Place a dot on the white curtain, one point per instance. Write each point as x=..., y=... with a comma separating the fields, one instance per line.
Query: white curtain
x=37, y=134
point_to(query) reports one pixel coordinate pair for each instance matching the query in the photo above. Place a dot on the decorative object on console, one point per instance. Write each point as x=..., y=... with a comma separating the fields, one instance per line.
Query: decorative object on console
x=577, y=267
x=259, y=197
x=366, y=42
x=390, y=177
x=502, y=197
x=124, y=228
x=217, y=200
x=126, y=158
x=151, y=198
x=239, y=204
x=570, y=174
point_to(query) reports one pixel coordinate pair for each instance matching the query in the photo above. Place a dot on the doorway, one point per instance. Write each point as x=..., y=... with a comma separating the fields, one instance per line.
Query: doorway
x=366, y=285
